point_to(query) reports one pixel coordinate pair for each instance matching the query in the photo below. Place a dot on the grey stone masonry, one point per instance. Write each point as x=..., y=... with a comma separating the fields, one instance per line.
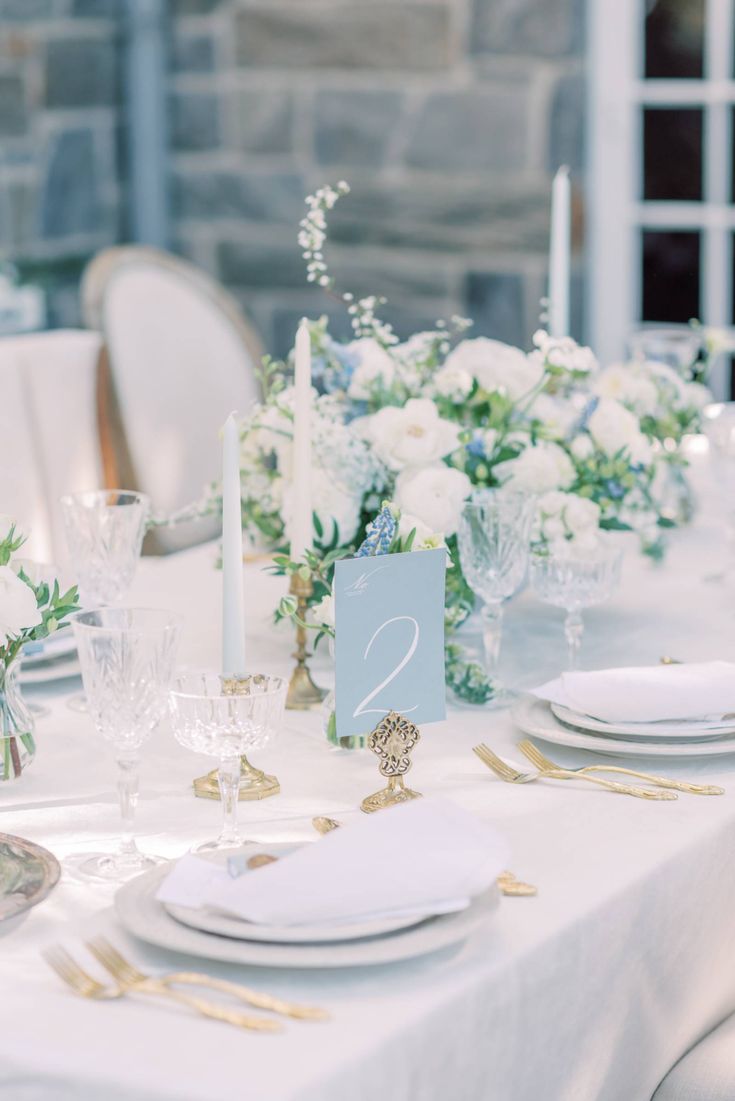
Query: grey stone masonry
x=447, y=117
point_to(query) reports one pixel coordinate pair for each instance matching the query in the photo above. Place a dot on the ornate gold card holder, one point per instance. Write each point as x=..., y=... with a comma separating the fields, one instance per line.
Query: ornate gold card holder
x=392, y=741
x=302, y=693
x=254, y=783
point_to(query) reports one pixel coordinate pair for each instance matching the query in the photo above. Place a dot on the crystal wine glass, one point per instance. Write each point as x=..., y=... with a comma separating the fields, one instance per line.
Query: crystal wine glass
x=127, y=657
x=574, y=580
x=104, y=533
x=678, y=347
x=226, y=717
x=494, y=534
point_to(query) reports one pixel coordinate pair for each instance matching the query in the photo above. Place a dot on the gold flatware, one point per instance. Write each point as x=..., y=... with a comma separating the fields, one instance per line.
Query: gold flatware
x=82, y=983
x=511, y=776
x=537, y=758
x=125, y=971
x=506, y=881
x=260, y=860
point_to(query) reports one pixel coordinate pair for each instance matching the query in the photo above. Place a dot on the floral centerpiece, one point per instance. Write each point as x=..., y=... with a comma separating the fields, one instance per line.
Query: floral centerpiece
x=31, y=608
x=423, y=422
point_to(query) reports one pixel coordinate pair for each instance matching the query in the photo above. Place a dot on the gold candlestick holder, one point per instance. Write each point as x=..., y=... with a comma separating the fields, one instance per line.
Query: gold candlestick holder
x=254, y=783
x=302, y=693
x=392, y=741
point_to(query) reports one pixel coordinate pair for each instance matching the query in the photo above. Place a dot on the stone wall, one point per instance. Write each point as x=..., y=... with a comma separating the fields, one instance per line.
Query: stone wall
x=447, y=117
x=60, y=190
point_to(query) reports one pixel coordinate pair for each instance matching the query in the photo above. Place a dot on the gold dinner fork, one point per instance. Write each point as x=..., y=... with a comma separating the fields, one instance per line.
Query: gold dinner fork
x=512, y=776
x=124, y=971
x=537, y=758
x=81, y=982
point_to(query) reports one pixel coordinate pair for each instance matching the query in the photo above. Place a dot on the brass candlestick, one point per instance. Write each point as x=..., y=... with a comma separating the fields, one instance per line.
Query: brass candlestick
x=392, y=741
x=302, y=693
x=254, y=783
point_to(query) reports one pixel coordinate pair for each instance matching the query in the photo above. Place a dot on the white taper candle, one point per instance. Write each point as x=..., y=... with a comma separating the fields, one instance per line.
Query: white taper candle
x=301, y=521
x=233, y=604
x=559, y=257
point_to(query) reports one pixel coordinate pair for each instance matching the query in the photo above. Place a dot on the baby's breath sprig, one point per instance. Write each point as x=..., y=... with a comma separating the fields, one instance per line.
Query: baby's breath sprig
x=312, y=238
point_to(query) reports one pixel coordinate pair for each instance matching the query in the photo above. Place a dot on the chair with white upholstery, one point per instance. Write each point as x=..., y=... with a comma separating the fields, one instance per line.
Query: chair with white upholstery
x=706, y=1072
x=181, y=358
x=49, y=440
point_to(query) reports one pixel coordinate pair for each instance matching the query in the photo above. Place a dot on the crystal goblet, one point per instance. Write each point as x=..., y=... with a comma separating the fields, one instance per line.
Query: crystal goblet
x=127, y=657
x=226, y=717
x=573, y=580
x=494, y=534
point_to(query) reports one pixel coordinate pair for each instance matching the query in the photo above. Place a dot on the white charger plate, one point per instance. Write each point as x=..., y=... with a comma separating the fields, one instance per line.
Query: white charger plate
x=229, y=925
x=694, y=731
x=146, y=918
x=535, y=717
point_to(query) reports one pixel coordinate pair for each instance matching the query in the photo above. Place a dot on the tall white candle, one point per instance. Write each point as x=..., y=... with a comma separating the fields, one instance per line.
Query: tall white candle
x=233, y=605
x=559, y=259
x=301, y=522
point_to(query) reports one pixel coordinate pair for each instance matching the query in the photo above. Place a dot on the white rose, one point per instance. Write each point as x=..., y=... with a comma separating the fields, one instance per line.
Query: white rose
x=556, y=415
x=581, y=514
x=496, y=366
x=538, y=469
x=552, y=503
x=409, y=523
x=332, y=503
x=18, y=610
x=411, y=436
x=613, y=427
x=434, y=495
x=625, y=383
x=375, y=366
x=453, y=382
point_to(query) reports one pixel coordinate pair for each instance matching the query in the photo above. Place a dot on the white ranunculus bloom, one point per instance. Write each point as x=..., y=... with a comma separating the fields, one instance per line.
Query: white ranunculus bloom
x=375, y=366
x=613, y=427
x=18, y=610
x=453, y=383
x=410, y=436
x=433, y=494
x=539, y=468
x=626, y=383
x=496, y=366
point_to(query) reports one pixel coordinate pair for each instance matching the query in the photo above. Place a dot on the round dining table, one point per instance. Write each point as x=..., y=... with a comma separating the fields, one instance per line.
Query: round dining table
x=589, y=991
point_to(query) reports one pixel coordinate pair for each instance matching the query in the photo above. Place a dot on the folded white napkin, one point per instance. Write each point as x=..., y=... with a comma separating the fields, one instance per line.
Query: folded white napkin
x=647, y=693
x=424, y=857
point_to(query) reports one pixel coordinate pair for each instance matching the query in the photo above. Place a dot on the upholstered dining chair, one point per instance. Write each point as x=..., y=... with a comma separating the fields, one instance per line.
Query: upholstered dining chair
x=49, y=442
x=180, y=358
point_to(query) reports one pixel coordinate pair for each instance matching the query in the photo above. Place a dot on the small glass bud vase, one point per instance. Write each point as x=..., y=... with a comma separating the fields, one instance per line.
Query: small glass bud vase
x=17, y=744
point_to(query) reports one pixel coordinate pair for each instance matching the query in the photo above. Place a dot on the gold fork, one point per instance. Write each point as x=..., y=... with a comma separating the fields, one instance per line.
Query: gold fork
x=82, y=983
x=537, y=758
x=507, y=882
x=124, y=971
x=512, y=776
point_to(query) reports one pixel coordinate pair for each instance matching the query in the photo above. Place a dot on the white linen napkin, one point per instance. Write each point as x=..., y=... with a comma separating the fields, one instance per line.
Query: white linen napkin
x=424, y=857
x=655, y=693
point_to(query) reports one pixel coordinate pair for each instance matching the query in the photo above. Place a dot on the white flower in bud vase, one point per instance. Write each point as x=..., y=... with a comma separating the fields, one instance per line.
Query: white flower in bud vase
x=453, y=383
x=375, y=367
x=615, y=428
x=18, y=610
x=410, y=436
x=539, y=468
x=497, y=367
x=433, y=494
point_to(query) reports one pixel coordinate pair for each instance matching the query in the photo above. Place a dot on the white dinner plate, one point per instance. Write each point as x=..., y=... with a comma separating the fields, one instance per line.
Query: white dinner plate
x=672, y=731
x=224, y=925
x=146, y=918
x=534, y=716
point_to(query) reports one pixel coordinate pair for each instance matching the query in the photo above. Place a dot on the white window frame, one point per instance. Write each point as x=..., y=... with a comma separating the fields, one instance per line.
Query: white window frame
x=617, y=93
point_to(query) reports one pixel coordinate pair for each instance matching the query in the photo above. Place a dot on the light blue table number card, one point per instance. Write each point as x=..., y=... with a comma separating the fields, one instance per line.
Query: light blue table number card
x=389, y=622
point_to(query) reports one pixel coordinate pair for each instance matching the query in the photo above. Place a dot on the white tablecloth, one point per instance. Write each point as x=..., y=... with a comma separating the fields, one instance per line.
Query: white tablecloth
x=590, y=991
